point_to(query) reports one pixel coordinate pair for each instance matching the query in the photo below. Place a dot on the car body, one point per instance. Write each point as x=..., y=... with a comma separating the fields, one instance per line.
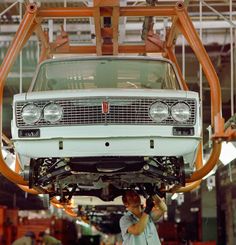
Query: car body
x=98, y=125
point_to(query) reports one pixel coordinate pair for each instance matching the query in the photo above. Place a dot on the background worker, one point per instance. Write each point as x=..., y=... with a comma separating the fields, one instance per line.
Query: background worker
x=27, y=239
x=137, y=225
x=46, y=239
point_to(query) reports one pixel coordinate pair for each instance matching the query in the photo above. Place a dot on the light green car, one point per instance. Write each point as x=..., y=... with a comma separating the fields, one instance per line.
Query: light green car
x=99, y=125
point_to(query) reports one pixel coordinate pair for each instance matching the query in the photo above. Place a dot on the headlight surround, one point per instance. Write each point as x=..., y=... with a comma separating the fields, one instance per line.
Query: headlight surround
x=180, y=112
x=52, y=112
x=31, y=113
x=159, y=111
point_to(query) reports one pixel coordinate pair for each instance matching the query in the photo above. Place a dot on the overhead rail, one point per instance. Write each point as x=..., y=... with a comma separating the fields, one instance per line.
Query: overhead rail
x=220, y=14
x=181, y=23
x=8, y=8
x=232, y=25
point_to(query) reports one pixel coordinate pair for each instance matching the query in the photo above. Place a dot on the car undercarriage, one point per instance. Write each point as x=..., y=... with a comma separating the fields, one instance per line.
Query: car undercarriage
x=106, y=177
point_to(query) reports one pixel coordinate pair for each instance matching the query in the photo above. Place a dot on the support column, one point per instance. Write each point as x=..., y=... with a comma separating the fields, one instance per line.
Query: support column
x=209, y=212
x=2, y=221
x=229, y=215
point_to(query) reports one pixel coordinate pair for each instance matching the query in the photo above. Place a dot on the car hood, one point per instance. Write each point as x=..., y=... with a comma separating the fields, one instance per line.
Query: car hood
x=105, y=93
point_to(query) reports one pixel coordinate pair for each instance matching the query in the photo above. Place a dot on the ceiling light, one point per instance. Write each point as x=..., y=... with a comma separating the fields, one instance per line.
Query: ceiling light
x=174, y=196
x=78, y=222
x=228, y=152
x=194, y=210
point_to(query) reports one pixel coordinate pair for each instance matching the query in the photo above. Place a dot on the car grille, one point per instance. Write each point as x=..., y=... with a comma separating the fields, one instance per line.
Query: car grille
x=128, y=111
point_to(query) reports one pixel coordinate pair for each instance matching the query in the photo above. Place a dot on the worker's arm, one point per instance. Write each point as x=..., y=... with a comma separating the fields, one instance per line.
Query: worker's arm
x=159, y=209
x=138, y=228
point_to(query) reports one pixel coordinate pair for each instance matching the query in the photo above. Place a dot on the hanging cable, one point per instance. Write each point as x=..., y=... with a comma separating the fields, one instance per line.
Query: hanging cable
x=21, y=67
x=7, y=9
x=65, y=5
x=231, y=58
x=200, y=66
x=183, y=56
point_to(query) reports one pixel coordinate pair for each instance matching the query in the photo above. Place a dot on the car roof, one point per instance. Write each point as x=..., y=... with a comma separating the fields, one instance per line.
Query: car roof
x=75, y=58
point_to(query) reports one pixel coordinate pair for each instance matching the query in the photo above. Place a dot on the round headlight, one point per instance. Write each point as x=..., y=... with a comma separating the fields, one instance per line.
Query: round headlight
x=180, y=112
x=31, y=113
x=159, y=111
x=52, y=112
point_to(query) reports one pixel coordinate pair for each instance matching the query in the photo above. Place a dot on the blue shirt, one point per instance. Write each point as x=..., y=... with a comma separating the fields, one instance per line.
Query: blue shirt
x=148, y=237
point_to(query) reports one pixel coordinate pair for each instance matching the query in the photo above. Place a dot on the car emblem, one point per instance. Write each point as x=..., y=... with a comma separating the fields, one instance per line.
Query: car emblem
x=105, y=107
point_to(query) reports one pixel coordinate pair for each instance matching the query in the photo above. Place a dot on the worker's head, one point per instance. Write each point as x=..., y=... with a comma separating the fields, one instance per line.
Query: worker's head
x=30, y=234
x=131, y=199
x=41, y=235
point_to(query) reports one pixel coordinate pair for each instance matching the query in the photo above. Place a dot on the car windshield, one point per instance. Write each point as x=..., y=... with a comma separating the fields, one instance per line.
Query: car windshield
x=105, y=73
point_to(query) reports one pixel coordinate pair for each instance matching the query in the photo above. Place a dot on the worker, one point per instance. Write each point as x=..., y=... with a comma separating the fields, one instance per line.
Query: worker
x=27, y=239
x=137, y=225
x=46, y=239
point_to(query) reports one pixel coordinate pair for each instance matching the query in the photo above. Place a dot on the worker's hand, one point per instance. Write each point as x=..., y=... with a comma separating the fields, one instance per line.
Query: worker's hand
x=149, y=205
x=159, y=202
x=157, y=199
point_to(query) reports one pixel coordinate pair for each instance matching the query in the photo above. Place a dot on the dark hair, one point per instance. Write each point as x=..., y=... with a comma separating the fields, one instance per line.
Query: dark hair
x=41, y=233
x=30, y=234
x=126, y=194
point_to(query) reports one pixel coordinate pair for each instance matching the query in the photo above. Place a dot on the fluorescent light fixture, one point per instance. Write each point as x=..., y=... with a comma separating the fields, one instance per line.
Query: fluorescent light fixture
x=228, y=152
x=180, y=199
x=78, y=222
x=174, y=196
x=194, y=210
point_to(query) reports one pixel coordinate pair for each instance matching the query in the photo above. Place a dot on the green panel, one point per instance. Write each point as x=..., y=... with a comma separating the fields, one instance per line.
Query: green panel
x=209, y=229
x=87, y=231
